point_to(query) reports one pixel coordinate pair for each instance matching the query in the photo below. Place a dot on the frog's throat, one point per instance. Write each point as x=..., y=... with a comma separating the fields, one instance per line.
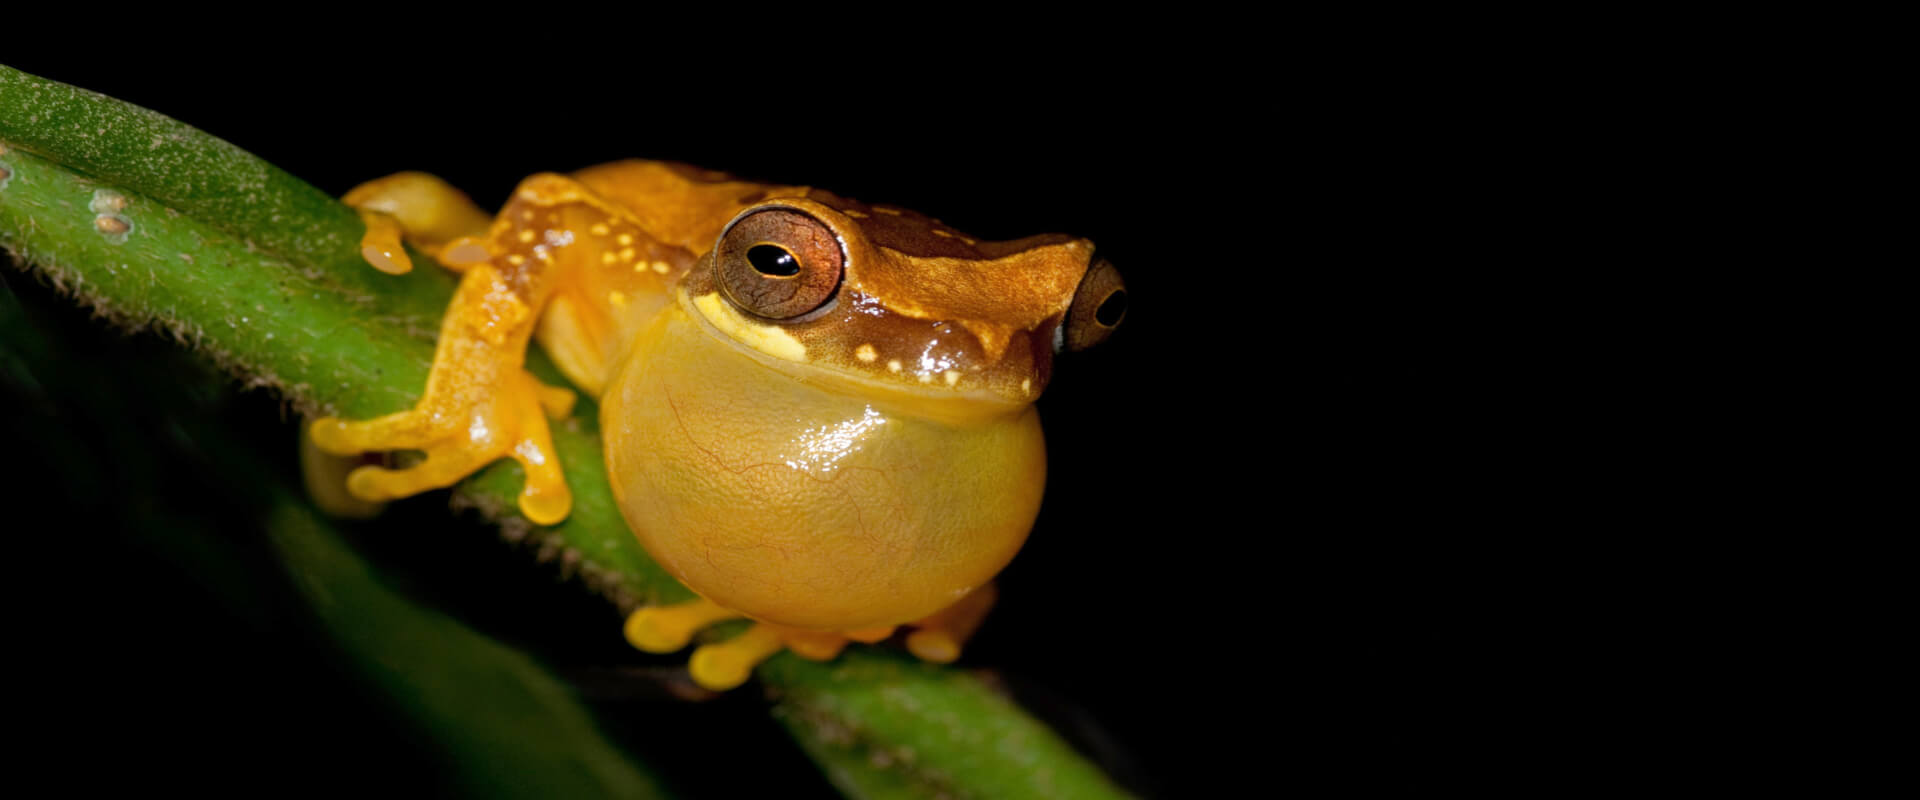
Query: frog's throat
x=778, y=350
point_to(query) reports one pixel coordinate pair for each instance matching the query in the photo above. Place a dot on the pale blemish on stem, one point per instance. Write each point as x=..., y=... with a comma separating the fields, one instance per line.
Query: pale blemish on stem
x=107, y=201
x=106, y=206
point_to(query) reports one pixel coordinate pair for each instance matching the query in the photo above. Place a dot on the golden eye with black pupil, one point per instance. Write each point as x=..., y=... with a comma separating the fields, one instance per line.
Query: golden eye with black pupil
x=1098, y=307
x=778, y=263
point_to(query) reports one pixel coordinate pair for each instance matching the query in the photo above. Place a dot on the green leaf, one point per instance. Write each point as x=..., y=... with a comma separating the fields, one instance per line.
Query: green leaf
x=154, y=223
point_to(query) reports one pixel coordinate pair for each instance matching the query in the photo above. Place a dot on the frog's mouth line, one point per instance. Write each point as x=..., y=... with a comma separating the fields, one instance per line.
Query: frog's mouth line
x=778, y=350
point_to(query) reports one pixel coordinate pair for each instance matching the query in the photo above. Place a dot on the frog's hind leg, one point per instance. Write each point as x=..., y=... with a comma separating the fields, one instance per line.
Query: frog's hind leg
x=427, y=211
x=938, y=638
x=480, y=403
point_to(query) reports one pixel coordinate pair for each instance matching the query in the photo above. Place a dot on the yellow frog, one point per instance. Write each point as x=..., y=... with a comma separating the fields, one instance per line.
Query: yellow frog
x=817, y=414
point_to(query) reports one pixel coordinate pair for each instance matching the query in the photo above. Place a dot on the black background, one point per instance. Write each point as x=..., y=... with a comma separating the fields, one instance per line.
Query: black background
x=1278, y=542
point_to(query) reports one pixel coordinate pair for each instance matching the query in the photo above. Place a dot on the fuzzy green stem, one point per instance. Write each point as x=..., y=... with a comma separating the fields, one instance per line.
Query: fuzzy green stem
x=154, y=223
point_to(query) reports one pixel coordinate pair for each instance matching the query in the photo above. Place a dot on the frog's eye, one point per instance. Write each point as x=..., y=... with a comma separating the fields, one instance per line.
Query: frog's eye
x=778, y=263
x=1098, y=307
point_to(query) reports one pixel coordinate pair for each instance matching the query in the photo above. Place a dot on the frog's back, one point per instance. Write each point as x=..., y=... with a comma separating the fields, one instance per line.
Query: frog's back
x=680, y=205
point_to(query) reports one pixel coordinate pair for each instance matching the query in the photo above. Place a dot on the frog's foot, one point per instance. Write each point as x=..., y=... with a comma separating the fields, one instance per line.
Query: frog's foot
x=938, y=638
x=325, y=476
x=428, y=212
x=664, y=629
x=461, y=431
x=724, y=665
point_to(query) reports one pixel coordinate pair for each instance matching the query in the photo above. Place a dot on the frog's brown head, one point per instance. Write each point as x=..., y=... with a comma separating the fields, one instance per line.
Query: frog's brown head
x=897, y=301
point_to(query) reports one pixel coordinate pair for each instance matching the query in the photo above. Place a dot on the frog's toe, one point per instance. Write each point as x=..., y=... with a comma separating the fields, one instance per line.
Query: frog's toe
x=938, y=638
x=407, y=429
x=727, y=664
x=664, y=629
x=545, y=498
x=814, y=645
x=557, y=401
x=441, y=469
x=380, y=245
x=325, y=476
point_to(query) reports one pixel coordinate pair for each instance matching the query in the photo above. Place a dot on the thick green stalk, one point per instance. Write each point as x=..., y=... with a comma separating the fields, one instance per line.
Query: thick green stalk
x=884, y=725
x=327, y=332
x=156, y=224
x=532, y=735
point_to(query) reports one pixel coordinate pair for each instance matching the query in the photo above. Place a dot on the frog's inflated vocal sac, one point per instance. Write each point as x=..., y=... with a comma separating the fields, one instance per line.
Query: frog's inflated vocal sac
x=817, y=413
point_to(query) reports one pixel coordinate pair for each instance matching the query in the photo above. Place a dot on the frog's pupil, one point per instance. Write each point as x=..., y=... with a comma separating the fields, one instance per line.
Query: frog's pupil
x=773, y=260
x=1111, y=309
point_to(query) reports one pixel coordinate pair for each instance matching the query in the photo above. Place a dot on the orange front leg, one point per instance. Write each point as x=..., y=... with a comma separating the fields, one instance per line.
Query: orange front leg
x=480, y=403
x=429, y=212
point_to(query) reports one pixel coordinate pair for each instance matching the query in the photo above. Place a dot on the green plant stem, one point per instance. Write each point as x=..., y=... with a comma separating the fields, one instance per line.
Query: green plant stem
x=287, y=320
x=531, y=737
x=884, y=725
x=261, y=272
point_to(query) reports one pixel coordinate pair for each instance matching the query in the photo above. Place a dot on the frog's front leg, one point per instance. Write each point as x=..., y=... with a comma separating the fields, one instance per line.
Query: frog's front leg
x=480, y=403
x=427, y=211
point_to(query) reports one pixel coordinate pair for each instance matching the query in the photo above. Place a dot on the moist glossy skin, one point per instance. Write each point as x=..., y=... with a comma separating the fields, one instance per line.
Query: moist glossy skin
x=806, y=503
x=865, y=464
x=817, y=413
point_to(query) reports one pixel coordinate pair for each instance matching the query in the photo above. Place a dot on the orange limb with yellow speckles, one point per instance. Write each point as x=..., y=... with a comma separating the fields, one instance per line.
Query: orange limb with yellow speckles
x=480, y=403
x=724, y=665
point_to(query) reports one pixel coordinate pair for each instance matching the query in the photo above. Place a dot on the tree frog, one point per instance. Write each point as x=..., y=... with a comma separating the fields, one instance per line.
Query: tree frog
x=817, y=413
